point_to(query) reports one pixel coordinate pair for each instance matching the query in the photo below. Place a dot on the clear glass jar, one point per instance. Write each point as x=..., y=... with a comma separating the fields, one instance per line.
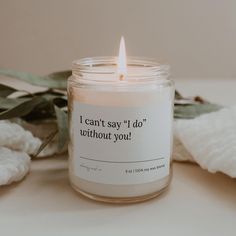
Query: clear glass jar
x=120, y=129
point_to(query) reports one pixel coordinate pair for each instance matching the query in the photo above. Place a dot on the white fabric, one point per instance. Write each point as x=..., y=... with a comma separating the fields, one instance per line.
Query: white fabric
x=211, y=140
x=13, y=136
x=14, y=165
x=16, y=146
x=180, y=153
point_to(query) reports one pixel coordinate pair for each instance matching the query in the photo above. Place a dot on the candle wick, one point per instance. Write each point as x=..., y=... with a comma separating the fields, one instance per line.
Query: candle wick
x=122, y=77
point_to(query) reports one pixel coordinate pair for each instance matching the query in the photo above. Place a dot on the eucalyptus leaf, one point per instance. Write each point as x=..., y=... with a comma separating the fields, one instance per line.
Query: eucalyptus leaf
x=48, y=95
x=43, y=111
x=62, y=123
x=178, y=95
x=46, y=141
x=46, y=110
x=61, y=74
x=60, y=102
x=194, y=110
x=6, y=90
x=55, y=80
x=9, y=103
x=49, y=91
x=21, y=109
x=64, y=97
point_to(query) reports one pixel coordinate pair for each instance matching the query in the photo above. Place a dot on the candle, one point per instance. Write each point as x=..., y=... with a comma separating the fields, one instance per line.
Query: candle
x=120, y=118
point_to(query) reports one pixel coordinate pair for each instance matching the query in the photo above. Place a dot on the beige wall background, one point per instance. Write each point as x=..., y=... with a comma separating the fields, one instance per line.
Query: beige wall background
x=196, y=37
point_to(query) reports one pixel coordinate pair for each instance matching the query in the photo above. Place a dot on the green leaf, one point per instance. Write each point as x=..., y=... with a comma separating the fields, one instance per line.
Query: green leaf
x=55, y=80
x=46, y=141
x=60, y=102
x=61, y=74
x=62, y=123
x=178, y=95
x=9, y=103
x=48, y=95
x=46, y=110
x=43, y=111
x=194, y=110
x=6, y=90
x=21, y=109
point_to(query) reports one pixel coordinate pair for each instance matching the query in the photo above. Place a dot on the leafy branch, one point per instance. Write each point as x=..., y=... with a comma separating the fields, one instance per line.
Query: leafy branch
x=52, y=103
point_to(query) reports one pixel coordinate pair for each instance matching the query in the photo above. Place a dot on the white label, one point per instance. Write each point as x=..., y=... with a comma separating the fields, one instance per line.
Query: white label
x=121, y=145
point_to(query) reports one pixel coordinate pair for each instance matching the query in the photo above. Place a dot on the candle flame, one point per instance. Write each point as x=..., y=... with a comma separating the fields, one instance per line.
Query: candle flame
x=122, y=64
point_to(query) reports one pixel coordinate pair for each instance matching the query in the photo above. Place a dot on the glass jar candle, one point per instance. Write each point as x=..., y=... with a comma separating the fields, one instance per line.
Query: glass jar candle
x=120, y=129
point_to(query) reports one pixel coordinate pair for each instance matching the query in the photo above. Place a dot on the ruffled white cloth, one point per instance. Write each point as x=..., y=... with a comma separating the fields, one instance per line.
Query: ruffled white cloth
x=13, y=136
x=16, y=146
x=210, y=139
x=14, y=165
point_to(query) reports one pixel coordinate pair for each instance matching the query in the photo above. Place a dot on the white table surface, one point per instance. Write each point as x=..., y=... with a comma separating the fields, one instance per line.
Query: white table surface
x=197, y=203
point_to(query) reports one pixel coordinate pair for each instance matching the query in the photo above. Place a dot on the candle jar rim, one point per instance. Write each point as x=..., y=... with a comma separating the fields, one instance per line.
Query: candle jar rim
x=104, y=69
